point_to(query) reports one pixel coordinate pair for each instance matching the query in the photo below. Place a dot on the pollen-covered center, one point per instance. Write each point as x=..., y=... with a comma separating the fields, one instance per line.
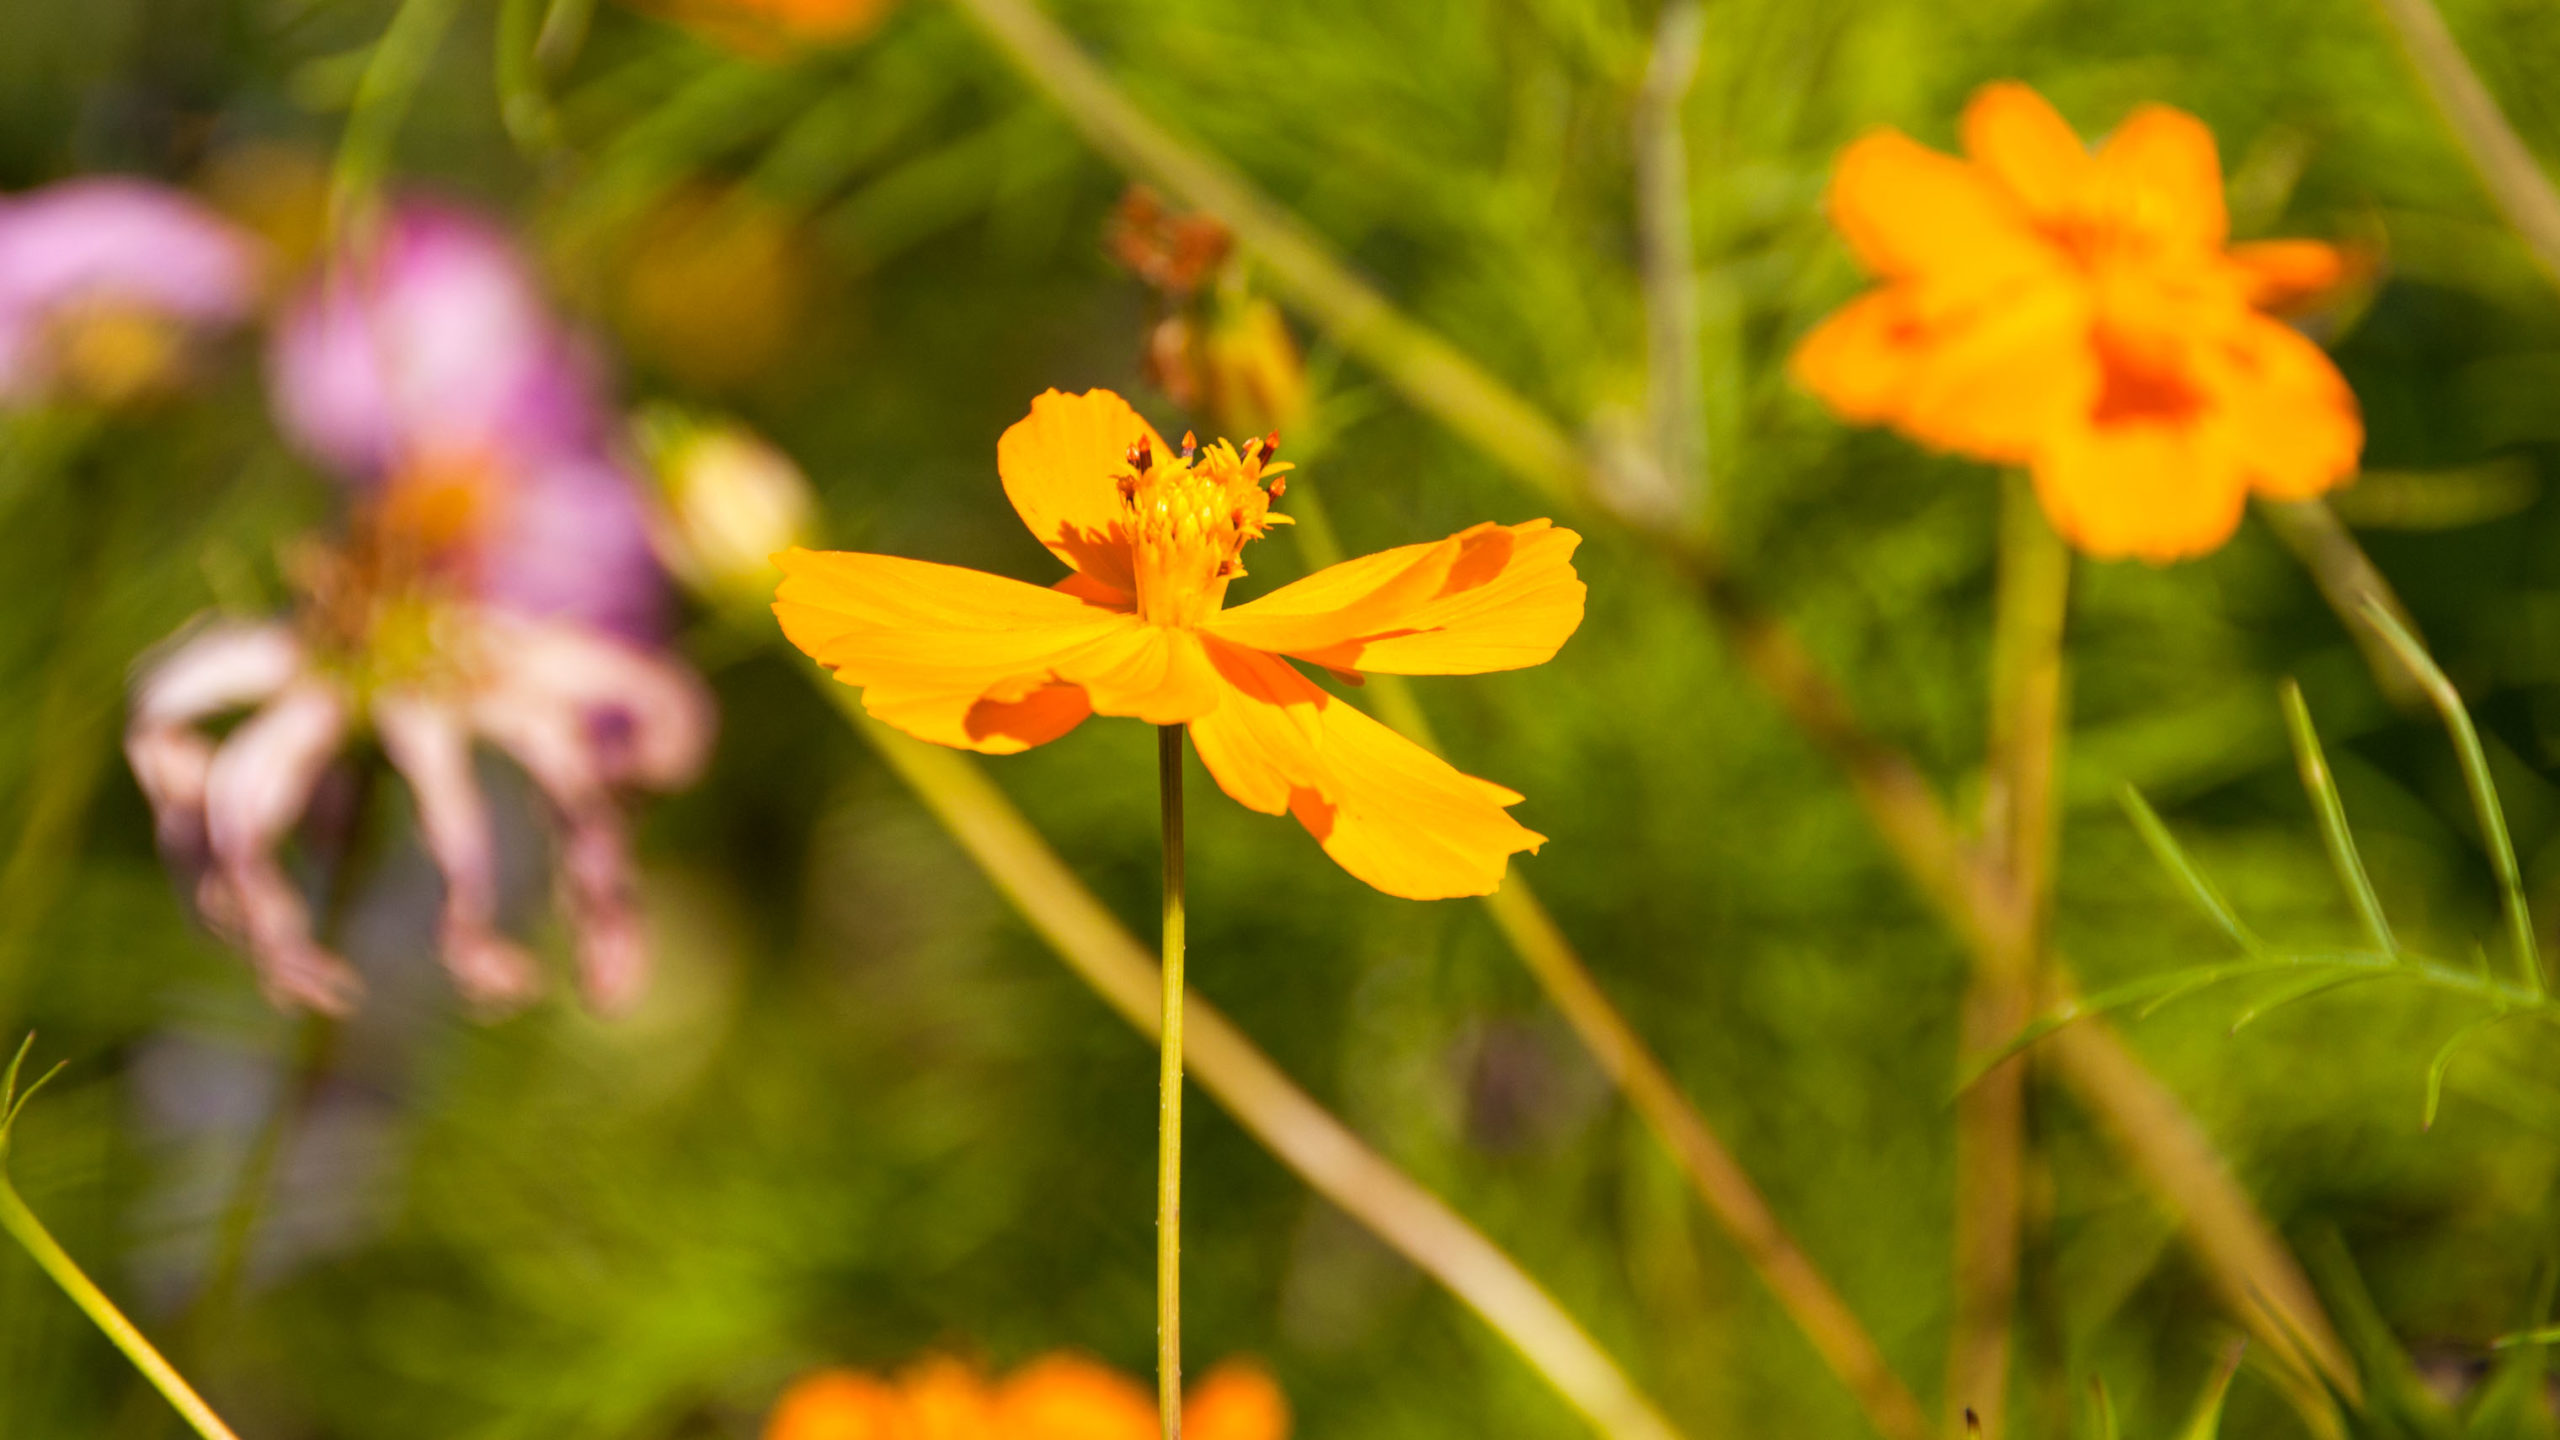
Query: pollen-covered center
x=1188, y=518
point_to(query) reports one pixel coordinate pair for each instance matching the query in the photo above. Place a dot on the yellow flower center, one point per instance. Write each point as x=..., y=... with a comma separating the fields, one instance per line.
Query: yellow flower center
x=1188, y=518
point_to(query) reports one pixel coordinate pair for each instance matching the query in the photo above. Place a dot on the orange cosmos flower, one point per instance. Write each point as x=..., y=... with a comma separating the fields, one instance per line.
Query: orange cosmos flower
x=1154, y=535
x=2082, y=315
x=1058, y=1397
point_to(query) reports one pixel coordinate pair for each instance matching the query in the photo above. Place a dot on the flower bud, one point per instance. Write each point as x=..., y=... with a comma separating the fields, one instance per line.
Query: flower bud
x=1255, y=381
x=731, y=501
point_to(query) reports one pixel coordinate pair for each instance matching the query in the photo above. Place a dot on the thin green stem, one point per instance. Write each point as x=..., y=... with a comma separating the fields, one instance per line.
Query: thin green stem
x=2025, y=740
x=2484, y=790
x=1287, y=1121
x=523, y=105
x=1169, y=1099
x=390, y=81
x=2349, y=581
x=27, y=1230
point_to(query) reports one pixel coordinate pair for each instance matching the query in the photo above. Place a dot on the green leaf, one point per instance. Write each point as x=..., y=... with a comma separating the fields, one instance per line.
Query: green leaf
x=2165, y=848
x=2334, y=832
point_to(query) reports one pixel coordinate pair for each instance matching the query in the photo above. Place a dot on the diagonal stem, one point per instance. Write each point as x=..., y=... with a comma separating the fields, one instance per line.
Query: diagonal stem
x=1169, y=1098
x=28, y=1231
x=1285, y=1119
x=2514, y=178
x=383, y=93
x=2349, y=582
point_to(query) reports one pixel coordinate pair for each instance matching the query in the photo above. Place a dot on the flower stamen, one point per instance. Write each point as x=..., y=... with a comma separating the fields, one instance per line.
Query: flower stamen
x=1189, y=519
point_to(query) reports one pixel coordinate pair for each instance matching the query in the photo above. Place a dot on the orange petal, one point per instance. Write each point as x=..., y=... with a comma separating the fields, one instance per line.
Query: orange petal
x=835, y=1405
x=1067, y=1397
x=963, y=658
x=945, y=1399
x=2011, y=132
x=1492, y=597
x=1059, y=464
x=1863, y=359
x=1236, y=1401
x=2286, y=277
x=2293, y=418
x=1909, y=211
x=1996, y=383
x=2161, y=176
x=1387, y=810
x=2156, y=489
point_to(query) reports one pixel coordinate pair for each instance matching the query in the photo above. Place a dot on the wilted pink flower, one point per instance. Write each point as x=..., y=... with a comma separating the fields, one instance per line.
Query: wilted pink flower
x=104, y=281
x=499, y=587
x=427, y=373
x=585, y=714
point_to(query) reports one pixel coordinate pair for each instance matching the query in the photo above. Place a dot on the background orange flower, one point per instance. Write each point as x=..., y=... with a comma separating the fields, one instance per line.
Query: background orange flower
x=1061, y=1396
x=2082, y=314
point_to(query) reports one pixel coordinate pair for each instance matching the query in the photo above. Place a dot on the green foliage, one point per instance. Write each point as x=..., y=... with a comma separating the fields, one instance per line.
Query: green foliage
x=865, y=1115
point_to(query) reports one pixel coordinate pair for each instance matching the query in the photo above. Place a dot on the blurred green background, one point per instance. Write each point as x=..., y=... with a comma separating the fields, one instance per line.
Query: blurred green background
x=865, y=1114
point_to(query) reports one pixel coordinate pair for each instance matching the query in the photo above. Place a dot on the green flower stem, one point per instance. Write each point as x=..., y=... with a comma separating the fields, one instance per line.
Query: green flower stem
x=1284, y=1119
x=1169, y=1099
x=27, y=1230
x=2026, y=729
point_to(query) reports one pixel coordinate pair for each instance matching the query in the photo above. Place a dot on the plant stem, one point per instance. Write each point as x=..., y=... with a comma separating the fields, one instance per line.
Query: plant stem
x=1675, y=388
x=390, y=81
x=2515, y=179
x=2026, y=663
x=1169, y=1099
x=27, y=1230
x=2349, y=582
x=1287, y=1121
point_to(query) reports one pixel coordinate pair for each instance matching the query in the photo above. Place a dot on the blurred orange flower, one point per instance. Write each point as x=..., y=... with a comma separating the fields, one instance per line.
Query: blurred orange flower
x=2083, y=314
x=775, y=27
x=1154, y=535
x=1058, y=1397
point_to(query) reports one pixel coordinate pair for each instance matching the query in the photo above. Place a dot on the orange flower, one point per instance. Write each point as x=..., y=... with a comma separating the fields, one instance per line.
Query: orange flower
x=836, y=1405
x=1058, y=1397
x=1154, y=535
x=2083, y=315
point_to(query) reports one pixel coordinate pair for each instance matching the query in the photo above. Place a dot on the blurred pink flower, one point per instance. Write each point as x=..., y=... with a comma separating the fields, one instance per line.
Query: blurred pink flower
x=103, y=281
x=583, y=713
x=426, y=370
x=498, y=585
